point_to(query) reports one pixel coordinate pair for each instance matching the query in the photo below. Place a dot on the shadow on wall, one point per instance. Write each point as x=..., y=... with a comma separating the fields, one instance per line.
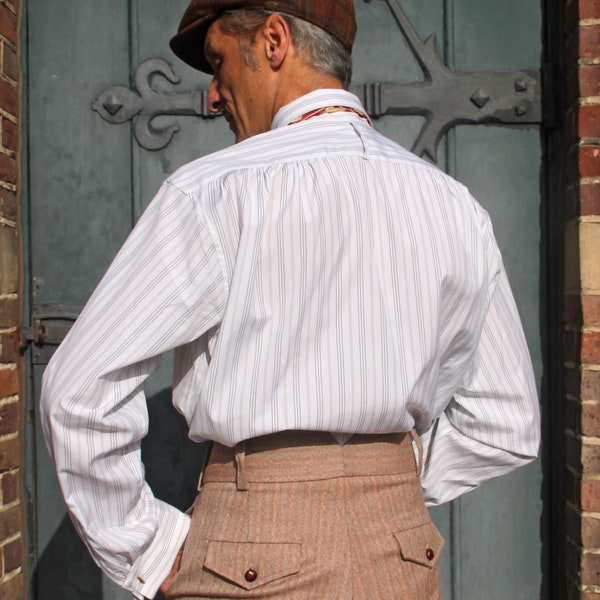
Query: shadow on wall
x=65, y=571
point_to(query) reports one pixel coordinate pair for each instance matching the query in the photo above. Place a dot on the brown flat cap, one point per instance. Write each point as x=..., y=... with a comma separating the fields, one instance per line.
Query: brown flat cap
x=336, y=17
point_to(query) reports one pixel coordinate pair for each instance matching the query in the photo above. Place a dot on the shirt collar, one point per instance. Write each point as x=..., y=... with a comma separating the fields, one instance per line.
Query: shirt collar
x=313, y=101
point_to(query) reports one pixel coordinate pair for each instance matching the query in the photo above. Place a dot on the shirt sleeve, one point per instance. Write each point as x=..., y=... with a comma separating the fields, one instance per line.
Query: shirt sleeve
x=164, y=289
x=491, y=425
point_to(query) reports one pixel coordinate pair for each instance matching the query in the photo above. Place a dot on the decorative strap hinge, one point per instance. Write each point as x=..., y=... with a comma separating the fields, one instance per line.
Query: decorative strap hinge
x=119, y=104
x=444, y=97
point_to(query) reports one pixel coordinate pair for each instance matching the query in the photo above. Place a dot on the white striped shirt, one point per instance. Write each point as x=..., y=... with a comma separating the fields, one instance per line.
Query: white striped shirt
x=314, y=277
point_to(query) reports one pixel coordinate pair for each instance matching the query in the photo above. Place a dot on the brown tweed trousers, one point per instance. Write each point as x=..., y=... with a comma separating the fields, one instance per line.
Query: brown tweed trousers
x=295, y=515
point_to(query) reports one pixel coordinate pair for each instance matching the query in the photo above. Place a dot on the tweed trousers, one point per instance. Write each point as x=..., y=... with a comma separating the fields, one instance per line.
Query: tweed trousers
x=295, y=515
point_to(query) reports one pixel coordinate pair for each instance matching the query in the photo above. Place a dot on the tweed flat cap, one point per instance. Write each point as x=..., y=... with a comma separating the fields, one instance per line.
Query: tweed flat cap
x=336, y=17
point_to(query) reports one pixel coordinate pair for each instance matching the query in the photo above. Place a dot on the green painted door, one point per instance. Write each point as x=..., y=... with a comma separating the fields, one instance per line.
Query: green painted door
x=89, y=180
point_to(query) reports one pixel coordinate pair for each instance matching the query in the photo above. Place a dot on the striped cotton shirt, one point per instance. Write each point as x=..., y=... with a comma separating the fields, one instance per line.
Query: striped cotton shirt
x=314, y=277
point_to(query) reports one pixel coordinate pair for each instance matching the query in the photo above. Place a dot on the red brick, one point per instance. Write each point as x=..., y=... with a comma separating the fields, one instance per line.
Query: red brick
x=9, y=253
x=590, y=421
x=9, y=347
x=9, y=312
x=9, y=97
x=590, y=532
x=590, y=385
x=590, y=569
x=10, y=488
x=589, y=40
x=589, y=80
x=10, y=135
x=590, y=459
x=13, y=555
x=9, y=206
x=591, y=310
x=9, y=418
x=8, y=169
x=10, y=458
x=8, y=23
x=589, y=121
x=590, y=348
x=10, y=62
x=589, y=9
x=9, y=386
x=590, y=200
x=13, y=588
x=590, y=495
x=589, y=161
x=589, y=596
x=10, y=522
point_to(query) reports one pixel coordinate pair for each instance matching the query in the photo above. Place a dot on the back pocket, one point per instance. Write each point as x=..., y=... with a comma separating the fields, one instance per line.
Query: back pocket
x=421, y=545
x=251, y=565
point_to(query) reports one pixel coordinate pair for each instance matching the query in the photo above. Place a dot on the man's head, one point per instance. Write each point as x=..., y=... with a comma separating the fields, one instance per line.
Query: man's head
x=262, y=59
x=335, y=17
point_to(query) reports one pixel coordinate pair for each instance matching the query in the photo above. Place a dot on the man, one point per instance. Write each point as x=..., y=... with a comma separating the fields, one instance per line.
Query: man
x=331, y=298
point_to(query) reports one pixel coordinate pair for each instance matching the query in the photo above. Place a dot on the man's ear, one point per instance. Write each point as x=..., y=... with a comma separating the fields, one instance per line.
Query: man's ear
x=277, y=40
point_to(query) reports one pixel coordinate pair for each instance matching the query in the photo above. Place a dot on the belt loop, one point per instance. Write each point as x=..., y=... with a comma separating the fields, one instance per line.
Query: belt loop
x=241, y=482
x=417, y=442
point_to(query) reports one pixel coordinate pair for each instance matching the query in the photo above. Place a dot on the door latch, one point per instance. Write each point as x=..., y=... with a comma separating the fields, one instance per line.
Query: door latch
x=50, y=323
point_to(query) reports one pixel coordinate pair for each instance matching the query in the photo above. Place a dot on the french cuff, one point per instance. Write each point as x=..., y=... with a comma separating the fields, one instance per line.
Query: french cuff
x=151, y=569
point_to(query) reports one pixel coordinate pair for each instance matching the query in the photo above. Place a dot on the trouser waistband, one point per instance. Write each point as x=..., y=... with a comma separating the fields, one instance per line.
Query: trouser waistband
x=310, y=456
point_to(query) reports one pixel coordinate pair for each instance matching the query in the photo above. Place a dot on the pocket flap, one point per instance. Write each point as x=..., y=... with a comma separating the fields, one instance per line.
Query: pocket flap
x=249, y=564
x=421, y=545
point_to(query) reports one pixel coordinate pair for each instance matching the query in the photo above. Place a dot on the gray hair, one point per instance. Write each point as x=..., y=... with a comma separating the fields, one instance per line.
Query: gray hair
x=325, y=53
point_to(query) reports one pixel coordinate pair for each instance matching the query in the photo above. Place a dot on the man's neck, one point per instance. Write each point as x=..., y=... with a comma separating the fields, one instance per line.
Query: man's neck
x=298, y=84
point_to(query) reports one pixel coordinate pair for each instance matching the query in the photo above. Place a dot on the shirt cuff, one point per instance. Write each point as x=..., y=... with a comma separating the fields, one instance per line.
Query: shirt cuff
x=152, y=568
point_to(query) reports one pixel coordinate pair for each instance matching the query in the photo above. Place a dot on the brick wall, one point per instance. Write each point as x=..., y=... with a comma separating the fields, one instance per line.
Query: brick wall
x=581, y=315
x=12, y=513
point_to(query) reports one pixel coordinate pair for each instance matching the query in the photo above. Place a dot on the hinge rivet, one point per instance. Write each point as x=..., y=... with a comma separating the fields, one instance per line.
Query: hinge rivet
x=480, y=98
x=113, y=105
x=521, y=85
x=521, y=108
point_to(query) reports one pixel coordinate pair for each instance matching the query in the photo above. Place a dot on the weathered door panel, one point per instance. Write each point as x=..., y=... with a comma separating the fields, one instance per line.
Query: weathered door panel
x=497, y=529
x=80, y=190
x=90, y=181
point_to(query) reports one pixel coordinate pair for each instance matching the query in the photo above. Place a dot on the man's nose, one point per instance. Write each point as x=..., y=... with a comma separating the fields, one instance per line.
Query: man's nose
x=214, y=98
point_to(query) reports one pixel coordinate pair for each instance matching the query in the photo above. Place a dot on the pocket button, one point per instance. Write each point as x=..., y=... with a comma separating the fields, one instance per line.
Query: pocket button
x=430, y=554
x=250, y=575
